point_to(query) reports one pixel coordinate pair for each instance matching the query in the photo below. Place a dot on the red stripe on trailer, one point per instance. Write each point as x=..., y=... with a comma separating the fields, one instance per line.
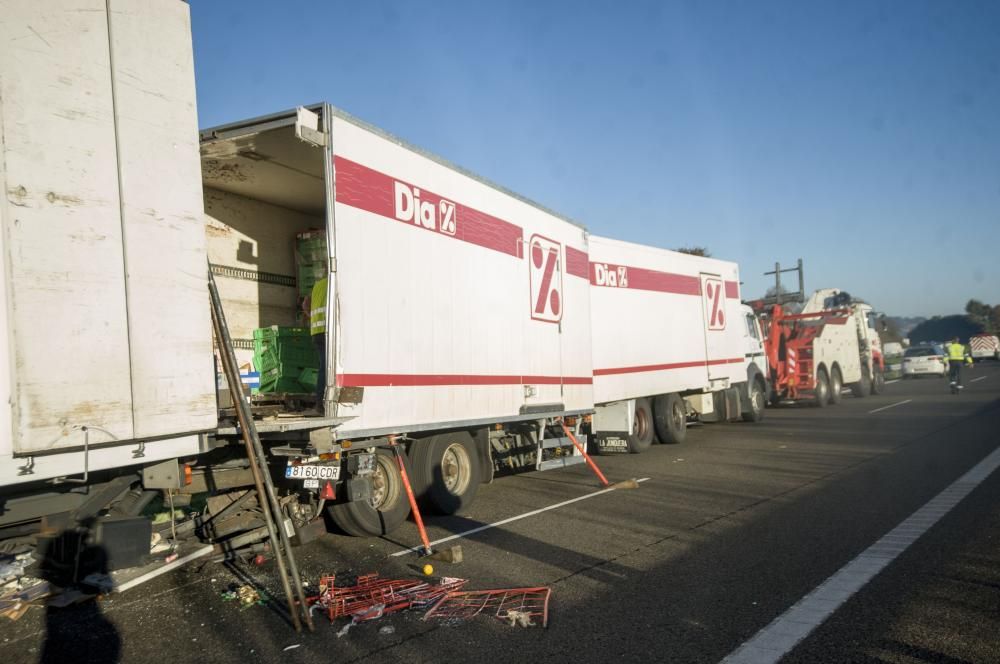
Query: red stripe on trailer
x=665, y=367
x=370, y=190
x=577, y=263
x=733, y=290
x=639, y=278
x=430, y=380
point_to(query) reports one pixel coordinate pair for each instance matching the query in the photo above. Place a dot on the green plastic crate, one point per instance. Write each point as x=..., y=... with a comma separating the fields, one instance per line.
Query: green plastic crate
x=279, y=332
x=284, y=385
x=286, y=356
x=309, y=378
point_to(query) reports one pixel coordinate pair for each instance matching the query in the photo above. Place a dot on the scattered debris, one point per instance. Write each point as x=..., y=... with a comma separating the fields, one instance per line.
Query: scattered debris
x=291, y=647
x=521, y=606
x=386, y=630
x=22, y=594
x=103, y=583
x=371, y=597
x=343, y=630
x=518, y=618
x=247, y=596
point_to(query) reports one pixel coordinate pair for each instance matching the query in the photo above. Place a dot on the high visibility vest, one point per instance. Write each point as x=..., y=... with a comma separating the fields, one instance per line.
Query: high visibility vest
x=317, y=308
x=956, y=353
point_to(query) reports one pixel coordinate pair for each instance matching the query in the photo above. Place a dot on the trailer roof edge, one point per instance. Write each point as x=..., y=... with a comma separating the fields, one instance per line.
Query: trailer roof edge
x=281, y=118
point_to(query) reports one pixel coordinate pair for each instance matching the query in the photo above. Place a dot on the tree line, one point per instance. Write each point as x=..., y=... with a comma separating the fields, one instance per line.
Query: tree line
x=979, y=318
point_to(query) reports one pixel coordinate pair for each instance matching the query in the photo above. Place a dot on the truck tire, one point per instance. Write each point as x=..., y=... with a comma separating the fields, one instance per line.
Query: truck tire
x=863, y=387
x=387, y=509
x=836, y=385
x=878, y=382
x=670, y=418
x=822, y=391
x=642, y=427
x=757, y=401
x=446, y=471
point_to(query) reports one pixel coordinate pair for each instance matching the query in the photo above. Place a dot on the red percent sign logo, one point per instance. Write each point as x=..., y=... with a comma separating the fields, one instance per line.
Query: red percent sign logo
x=715, y=298
x=546, y=280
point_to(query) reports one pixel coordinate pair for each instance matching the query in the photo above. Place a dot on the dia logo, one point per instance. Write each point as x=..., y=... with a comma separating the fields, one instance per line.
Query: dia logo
x=431, y=212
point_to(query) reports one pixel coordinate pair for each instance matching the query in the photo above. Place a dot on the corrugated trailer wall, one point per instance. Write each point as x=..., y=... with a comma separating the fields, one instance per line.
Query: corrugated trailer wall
x=105, y=298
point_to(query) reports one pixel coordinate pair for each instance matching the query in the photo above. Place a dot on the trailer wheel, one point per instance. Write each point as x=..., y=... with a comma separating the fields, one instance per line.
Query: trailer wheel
x=878, y=382
x=642, y=427
x=757, y=402
x=822, y=390
x=863, y=387
x=670, y=418
x=836, y=385
x=446, y=471
x=387, y=509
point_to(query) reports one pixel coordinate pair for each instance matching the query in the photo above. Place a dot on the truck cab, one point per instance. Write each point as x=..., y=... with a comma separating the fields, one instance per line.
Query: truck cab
x=755, y=364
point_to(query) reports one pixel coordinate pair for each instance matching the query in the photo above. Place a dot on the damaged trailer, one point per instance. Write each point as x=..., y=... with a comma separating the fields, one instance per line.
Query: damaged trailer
x=458, y=312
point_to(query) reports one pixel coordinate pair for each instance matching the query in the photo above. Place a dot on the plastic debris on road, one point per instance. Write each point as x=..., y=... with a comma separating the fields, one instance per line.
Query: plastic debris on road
x=247, y=596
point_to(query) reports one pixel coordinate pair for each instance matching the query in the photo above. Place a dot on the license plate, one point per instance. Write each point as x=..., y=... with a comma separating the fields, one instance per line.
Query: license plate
x=310, y=484
x=313, y=472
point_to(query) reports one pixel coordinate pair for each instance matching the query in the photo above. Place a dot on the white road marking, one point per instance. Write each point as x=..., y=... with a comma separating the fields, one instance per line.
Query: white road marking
x=892, y=405
x=776, y=640
x=480, y=529
x=148, y=576
x=890, y=382
x=975, y=379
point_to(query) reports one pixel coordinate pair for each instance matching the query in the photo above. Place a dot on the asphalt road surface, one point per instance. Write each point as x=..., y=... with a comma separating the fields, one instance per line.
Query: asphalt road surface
x=729, y=532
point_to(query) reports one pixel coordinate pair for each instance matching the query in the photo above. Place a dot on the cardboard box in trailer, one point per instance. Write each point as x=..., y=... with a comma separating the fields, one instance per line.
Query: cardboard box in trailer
x=671, y=341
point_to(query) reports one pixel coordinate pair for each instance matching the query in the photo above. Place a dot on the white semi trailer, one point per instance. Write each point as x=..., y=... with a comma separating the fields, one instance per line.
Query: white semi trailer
x=458, y=312
x=459, y=318
x=671, y=341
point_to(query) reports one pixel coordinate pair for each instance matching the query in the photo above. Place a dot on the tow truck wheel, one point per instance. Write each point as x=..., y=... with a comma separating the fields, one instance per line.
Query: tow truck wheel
x=863, y=387
x=385, y=511
x=836, y=385
x=446, y=471
x=822, y=390
x=670, y=418
x=878, y=383
x=757, y=399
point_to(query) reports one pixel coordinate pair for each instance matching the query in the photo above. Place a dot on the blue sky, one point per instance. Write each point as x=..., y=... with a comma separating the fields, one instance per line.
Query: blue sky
x=863, y=137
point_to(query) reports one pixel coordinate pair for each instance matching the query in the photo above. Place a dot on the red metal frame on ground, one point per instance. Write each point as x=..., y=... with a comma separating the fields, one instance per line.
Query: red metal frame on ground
x=372, y=597
x=534, y=602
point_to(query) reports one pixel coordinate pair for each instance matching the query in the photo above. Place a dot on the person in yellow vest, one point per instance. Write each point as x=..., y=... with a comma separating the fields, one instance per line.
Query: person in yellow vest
x=958, y=356
x=317, y=328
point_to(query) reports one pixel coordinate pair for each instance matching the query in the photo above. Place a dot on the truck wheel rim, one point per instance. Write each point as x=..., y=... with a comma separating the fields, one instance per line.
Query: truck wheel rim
x=456, y=469
x=757, y=400
x=677, y=415
x=642, y=424
x=385, y=485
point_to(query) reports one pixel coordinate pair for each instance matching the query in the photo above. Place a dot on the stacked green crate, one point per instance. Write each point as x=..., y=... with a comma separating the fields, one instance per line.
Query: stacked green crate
x=282, y=355
x=310, y=260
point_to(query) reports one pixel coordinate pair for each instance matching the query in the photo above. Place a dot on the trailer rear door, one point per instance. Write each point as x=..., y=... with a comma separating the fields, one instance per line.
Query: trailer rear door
x=715, y=312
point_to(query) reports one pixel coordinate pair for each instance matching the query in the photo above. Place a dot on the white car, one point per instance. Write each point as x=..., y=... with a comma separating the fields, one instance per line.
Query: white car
x=925, y=361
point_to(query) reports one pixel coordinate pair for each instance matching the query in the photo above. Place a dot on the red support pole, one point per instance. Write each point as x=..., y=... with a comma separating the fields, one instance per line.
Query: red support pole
x=586, y=457
x=409, y=494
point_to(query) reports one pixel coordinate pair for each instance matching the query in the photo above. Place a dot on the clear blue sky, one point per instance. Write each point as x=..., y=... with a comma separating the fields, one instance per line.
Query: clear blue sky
x=863, y=137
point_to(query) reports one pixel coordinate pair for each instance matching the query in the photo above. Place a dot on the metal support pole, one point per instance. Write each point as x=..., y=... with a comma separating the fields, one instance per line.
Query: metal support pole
x=261, y=474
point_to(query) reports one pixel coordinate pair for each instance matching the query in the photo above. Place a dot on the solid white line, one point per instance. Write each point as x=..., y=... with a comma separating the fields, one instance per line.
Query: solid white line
x=975, y=379
x=890, y=382
x=166, y=568
x=892, y=405
x=480, y=529
x=773, y=642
